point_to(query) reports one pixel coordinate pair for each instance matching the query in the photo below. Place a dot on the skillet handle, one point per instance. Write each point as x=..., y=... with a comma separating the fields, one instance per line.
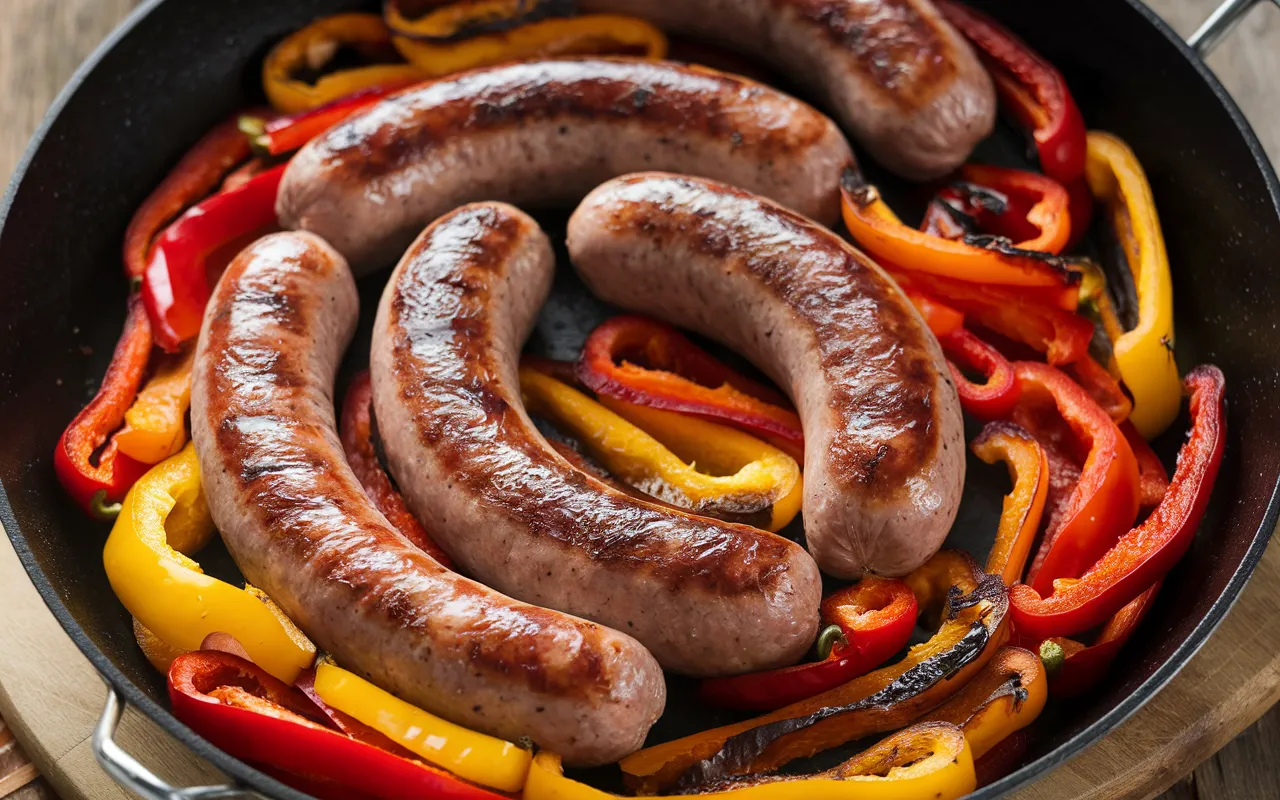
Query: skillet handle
x=1219, y=24
x=129, y=773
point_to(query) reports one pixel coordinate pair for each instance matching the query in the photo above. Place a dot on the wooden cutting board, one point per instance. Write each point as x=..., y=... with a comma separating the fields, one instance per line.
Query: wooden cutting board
x=51, y=696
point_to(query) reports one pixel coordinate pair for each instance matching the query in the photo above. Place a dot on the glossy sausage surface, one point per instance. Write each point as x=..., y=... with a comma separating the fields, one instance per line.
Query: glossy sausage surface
x=299, y=526
x=545, y=133
x=900, y=79
x=706, y=597
x=884, y=447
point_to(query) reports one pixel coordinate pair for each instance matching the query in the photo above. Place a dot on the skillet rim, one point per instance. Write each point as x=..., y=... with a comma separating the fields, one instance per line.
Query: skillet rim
x=1024, y=776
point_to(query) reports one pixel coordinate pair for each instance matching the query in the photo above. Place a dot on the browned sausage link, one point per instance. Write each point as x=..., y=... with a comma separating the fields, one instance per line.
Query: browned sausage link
x=545, y=133
x=884, y=453
x=898, y=77
x=299, y=525
x=706, y=597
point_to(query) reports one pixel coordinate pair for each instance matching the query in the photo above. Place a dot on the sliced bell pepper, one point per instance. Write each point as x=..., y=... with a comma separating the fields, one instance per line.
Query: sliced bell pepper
x=460, y=20
x=643, y=361
x=195, y=176
x=1031, y=88
x=285, y=134
x=166, y=590
x=252, y=715
x=477, y=757
x=1143, y=555
x=1144, y=355
x=1062, y=336
x=870, y=622
x=345, y=722
x=737, y=476
x=159, y=653
x=293, y=76
x=1104, y=502
x=1027, y=208
x=972, y=606
x=1007, y=696
x=422, y=44
x=177, y=284
x=356, y=432
x=929, y=759
x=98, y=484
x=995, y=397
x=940, y=318
x=1153, y=478
x=1082, y=667
x=1024, y=506
x=155, y=426
x=1102, y=387
x=978, y=259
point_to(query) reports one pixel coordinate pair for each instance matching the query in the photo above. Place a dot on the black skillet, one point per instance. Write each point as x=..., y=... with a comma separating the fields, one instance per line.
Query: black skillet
x=174, y=68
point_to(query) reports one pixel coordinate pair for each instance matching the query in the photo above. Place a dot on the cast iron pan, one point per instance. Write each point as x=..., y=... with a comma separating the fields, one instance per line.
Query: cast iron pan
x=176, y=68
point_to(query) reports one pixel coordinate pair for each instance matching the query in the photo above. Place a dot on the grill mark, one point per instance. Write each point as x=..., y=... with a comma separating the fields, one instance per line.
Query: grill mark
x=663, y=97
x=292, y=475
x=471, y=420
x=857, y=320
x=900, y=50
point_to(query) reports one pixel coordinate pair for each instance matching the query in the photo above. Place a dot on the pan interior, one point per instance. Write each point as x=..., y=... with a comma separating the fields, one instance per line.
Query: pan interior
x=182, y=67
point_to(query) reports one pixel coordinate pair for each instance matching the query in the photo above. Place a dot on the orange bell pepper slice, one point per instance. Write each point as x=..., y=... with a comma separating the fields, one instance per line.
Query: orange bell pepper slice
x=950, y=585
x=1024, y=506
x=879, y=231
x=155, y=426
x=1004, y=698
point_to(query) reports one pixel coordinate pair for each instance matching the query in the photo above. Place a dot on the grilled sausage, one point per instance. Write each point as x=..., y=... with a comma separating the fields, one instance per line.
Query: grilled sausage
x=884, y=453
x=299, y=525
x=900, y=79
x=706, y=597
x=546, y=133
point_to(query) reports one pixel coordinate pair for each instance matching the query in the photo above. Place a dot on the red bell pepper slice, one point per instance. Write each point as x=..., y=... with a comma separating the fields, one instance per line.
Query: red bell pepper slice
x=990, y=400
x=643, y=361
x=1083, y=667
x=1153, y=478
x=1102, y=387
x=940, y=318
x=176, y=287
x=196, y=175
x=875, y=618
x=253, y=716
x=1104, y=500
x=98, y=485
x=1016, y=314
x=1145, y=554
x=356, y=432
x=1030, y=87
x=1024, y=207
x=285, y=134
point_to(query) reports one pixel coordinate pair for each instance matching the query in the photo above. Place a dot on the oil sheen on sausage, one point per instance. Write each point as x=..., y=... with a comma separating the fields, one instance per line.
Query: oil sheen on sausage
x=299, y=525
x=706, y=597
x=884, y=449
x=545, y=133
x=900, y=79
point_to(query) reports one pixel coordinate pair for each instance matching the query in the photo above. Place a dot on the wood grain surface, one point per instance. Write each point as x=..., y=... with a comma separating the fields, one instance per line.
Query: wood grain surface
x=52, y=695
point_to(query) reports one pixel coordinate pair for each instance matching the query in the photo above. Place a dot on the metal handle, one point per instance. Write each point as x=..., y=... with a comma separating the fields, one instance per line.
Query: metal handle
x=129, y=773
x=1219, y=24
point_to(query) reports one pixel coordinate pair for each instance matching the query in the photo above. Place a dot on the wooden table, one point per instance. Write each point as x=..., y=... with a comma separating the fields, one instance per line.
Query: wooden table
x=1220, y=691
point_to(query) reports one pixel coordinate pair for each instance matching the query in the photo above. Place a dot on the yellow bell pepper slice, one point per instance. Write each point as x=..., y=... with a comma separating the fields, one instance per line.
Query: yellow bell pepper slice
x=155, y=426
x=311, y=48
x=476, y=757
x=590, y=34
x=690, y=463
x=1144, y=355
x=930, y=760
x=168, y=593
